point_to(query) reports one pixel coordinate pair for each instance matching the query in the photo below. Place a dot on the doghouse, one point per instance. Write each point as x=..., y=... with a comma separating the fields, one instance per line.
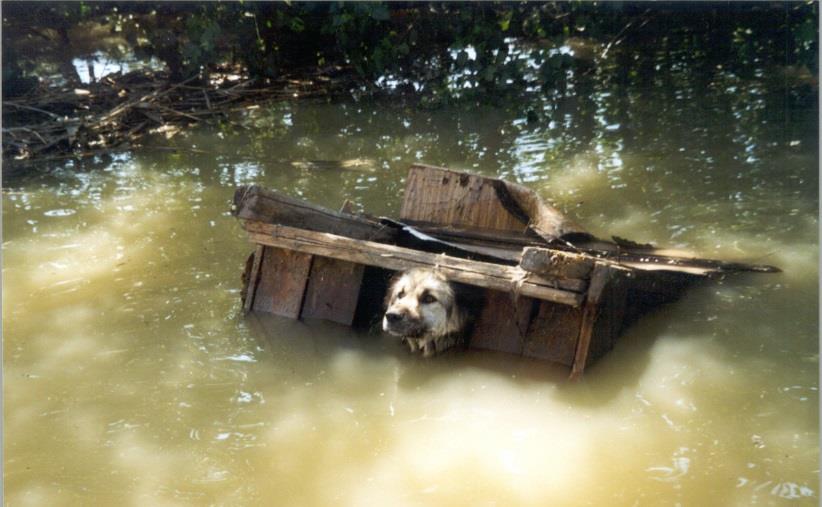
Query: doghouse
x=553, y=291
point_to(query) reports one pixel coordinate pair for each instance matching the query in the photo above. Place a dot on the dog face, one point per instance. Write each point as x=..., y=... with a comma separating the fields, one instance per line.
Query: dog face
x=420, y=303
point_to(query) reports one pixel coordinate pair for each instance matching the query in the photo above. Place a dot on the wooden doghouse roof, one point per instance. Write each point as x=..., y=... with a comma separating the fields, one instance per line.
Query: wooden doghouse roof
x=569, y=290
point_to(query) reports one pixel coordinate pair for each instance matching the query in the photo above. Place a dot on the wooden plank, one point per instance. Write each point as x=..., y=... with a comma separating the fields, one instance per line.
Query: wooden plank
x=333, y=286
x=283, y=277
x=333, y=290
x=439, y=196
x=269, y=206
x=654, y=260
x=556, y=263
x=252, y=277
x=458, y=199
x=554, y=333
x=481, y=274
x=599, y=279
x=502, y=325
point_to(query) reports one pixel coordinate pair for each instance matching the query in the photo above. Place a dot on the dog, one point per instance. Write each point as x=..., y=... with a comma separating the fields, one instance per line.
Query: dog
x=427, y=311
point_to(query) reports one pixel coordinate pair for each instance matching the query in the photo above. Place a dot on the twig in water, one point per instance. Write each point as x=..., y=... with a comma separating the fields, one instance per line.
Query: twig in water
x=29, y=108
x=616, y=39
x=178, y=113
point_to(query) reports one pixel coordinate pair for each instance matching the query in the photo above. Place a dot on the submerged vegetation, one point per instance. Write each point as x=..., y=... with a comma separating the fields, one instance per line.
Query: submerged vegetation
x=433, y=53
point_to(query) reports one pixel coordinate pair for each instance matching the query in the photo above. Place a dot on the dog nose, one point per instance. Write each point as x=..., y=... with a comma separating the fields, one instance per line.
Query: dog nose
x=393, y=316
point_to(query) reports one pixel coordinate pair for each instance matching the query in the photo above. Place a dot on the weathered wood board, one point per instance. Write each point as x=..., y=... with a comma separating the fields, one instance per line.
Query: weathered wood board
x=251, y=276
x=591, y=313
x=543, y=261
x=503, y=323
x=281, y=284
x=333, y=290
x=437, y=196
x=262, y=205
x=612, y=316
x=553, y=333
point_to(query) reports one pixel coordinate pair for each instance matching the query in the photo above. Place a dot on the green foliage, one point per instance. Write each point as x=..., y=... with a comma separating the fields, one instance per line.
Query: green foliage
x=446, y=50
x=364, y=37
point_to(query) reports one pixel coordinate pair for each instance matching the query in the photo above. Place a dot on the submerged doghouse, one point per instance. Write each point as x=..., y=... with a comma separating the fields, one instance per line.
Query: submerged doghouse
x=553, y=291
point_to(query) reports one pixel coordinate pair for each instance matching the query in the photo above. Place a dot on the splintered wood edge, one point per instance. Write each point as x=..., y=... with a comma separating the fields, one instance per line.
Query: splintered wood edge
x=544, y=261
x=481, y=274
x=259, y=204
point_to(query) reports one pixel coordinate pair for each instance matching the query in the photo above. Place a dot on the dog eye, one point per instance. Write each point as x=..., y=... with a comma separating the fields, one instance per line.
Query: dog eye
x=401, y=294
x=427, y=299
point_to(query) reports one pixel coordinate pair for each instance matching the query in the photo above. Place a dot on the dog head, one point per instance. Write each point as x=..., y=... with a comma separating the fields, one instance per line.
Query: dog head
x=420, y=302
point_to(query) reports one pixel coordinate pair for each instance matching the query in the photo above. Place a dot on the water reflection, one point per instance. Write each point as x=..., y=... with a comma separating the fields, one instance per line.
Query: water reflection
x=123, y=342
x=99, y=64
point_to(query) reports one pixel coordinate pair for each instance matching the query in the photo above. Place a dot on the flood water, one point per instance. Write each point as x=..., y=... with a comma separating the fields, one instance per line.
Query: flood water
x=130, y=376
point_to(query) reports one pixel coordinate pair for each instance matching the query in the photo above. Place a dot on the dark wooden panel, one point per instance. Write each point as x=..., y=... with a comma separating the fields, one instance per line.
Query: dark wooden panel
x=283, y=277
x=333, y=290
x=502, y=326
x=610, y=320
x=553, y=333
x=251, y=277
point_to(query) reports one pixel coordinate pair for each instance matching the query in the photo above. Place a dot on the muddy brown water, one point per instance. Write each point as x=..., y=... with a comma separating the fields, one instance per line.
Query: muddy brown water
x=131, y=378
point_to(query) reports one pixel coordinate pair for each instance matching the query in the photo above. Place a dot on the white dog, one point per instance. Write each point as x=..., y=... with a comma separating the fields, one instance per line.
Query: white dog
x=426, y=310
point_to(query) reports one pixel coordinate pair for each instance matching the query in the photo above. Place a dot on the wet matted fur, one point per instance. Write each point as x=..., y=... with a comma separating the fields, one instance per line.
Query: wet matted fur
x=428, y=312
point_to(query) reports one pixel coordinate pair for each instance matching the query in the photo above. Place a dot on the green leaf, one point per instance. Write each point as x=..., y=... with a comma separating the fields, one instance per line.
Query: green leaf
x=505, y=22
x=296, y=25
